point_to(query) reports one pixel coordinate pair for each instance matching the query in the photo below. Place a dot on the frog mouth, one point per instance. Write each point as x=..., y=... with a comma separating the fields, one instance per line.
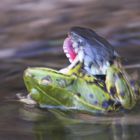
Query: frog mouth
x=70, y=49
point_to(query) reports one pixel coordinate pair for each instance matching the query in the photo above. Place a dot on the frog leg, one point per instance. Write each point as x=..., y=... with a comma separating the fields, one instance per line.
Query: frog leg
x=76, y=69
x=136, y=89
x=119, y=87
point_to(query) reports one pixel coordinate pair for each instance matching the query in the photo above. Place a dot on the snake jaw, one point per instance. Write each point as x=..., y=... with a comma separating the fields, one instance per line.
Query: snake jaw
x=70, y=48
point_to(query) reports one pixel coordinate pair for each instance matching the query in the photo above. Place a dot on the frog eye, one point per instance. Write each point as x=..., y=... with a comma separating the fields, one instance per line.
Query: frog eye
x=46, y=80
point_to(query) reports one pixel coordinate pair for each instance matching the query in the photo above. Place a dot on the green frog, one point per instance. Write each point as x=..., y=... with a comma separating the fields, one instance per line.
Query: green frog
x=95, y=80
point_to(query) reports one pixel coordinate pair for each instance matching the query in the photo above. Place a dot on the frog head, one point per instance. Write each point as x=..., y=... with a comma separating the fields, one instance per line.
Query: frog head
x=91, y=49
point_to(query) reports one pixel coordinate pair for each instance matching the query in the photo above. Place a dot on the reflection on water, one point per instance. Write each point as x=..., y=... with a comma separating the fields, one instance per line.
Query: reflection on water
x=20, y=122
x=31, y=34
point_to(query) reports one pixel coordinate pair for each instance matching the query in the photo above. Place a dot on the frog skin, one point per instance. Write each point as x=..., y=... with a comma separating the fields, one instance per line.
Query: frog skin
x=94, y=81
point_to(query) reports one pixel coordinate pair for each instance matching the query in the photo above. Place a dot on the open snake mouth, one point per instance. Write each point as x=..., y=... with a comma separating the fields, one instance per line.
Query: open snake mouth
x=70, y=49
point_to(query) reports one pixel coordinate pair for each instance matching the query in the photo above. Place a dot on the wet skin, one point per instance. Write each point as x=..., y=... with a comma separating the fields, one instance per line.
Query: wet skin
x=93, y=82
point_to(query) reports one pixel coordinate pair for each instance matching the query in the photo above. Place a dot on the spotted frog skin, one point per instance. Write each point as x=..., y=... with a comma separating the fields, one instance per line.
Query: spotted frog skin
x=93, y=82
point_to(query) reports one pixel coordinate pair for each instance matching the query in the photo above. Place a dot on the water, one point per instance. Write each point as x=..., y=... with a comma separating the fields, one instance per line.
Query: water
x=41, y=45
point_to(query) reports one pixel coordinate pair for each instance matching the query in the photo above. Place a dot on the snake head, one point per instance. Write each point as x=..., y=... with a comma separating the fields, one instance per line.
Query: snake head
x=95, y=52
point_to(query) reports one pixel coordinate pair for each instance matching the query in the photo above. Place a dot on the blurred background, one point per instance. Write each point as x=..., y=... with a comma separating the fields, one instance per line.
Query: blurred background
x=32, y=34
x=38, y=24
